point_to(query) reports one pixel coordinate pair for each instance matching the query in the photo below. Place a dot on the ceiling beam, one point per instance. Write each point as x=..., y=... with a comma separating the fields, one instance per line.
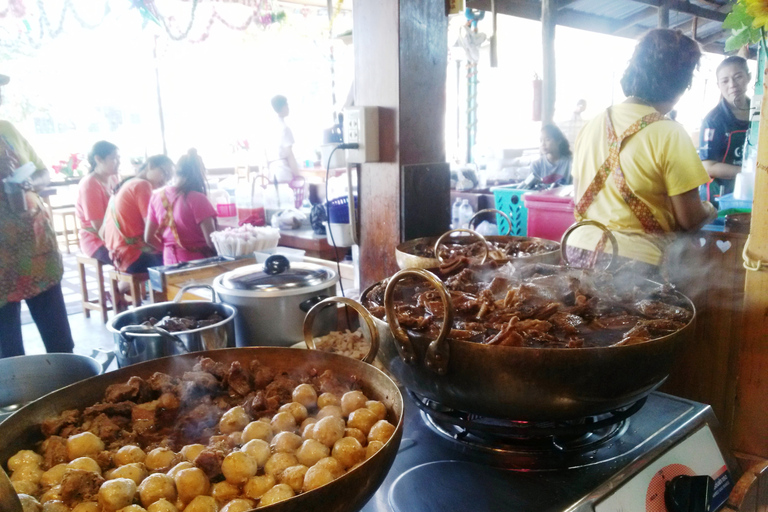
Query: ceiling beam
x=688, y=8
x=644, y=14
x=628, y=27
x=531, y=9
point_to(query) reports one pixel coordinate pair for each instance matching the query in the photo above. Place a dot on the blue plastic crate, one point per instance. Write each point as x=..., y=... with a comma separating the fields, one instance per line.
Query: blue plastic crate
x=510, y=201
x=727, y=202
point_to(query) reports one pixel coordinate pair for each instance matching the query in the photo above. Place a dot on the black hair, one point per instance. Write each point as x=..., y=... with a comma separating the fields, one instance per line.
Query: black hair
x=662, y=66
x=192, y=170
x=156, y=161
x=101, y=149
x=733, y=59
x=152, y=162
x=278, y=103
x=554, y=133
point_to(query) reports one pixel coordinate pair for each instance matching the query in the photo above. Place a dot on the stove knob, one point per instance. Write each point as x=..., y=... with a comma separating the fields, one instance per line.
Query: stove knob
x=689, y=493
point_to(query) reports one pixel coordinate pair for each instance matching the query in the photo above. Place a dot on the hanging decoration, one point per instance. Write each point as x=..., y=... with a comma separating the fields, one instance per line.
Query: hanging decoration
x=335, y=15
x=15, y=9
x=257, y=18
x=183, y=34
x=147, y=9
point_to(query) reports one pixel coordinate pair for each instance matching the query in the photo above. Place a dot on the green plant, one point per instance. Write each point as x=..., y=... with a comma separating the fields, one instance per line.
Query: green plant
x=747, y=21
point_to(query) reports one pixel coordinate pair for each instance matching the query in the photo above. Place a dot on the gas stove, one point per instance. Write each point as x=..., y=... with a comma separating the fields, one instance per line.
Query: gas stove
x=449, y=460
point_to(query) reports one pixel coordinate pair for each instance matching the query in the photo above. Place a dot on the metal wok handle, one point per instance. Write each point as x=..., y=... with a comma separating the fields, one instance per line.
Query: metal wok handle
x=309, y=320
x=461, y=230
x=497, y=212
x=438, y=351
x=577, y=225
x=151, y=329
x=181, y=292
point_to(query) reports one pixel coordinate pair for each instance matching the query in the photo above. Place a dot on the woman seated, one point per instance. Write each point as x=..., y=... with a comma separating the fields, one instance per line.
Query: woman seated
x=554, y=167
x=93, y=197
x=634, y=169
x=181, y=215
x=127, y=213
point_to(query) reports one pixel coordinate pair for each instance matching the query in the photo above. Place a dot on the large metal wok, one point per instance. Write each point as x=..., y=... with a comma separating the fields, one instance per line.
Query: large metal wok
x=521, y=383
x=407, y=253
x=347, y=493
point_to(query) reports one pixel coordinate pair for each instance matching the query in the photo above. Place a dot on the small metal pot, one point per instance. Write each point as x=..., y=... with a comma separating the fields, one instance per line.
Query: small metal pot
x=135, y=343
x=272, y=300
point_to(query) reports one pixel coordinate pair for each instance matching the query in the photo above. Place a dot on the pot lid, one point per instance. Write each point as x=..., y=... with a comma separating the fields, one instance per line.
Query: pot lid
x=278, y=275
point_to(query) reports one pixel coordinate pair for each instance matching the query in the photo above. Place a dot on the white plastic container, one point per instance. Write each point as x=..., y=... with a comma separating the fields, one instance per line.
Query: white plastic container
x=465, y=213
x=339, y=235
x=226, y=211
x=250, y=204
x=455, y=209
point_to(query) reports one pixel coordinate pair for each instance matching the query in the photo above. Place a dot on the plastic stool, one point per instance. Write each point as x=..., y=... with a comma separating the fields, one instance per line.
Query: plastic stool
x=136, y=284
x=99, y=304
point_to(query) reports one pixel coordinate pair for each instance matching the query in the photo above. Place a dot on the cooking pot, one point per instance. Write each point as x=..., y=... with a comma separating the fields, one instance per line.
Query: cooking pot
x=135, y=343
x=407, y=257
x=272, y=300
x=521, y=383
x=346, y=494
x=27, y=378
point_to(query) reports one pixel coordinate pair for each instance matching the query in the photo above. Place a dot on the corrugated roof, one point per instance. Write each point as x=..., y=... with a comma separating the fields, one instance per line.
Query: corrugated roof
x=700, y=19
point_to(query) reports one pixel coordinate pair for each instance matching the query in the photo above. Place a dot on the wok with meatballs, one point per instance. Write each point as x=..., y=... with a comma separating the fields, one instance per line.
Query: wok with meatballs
x=222, y=436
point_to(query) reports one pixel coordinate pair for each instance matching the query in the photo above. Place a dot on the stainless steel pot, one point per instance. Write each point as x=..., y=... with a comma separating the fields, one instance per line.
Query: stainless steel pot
x=272, y=300
x=135, y=344
x=347, y=493
x=27, y=378
x=521, y=383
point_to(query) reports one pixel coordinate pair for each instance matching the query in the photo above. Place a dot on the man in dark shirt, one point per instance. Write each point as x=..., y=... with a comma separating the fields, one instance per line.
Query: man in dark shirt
x=724, y=129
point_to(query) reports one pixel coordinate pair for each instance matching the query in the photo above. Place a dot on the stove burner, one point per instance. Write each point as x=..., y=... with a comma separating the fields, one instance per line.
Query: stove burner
x=539, y=445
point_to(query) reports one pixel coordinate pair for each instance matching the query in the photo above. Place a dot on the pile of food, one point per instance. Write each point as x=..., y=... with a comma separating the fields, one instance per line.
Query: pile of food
x=219, y=438
x=243, y=240
x=497, y=250
x=183, y=323
x=538, y=306
x=347, y=343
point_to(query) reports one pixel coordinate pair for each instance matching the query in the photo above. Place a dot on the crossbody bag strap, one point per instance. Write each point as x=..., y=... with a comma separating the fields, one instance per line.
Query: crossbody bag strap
x=612, y=165
x=168, y=219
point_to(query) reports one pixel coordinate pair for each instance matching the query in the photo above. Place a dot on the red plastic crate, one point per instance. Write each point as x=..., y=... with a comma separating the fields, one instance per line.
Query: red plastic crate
x=550, y=213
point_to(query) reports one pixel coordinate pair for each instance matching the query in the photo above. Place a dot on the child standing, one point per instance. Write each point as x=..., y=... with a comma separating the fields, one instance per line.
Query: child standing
x=181, y=215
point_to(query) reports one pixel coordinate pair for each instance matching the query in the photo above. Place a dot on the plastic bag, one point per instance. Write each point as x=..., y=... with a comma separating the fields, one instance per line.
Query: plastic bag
x=288, y=219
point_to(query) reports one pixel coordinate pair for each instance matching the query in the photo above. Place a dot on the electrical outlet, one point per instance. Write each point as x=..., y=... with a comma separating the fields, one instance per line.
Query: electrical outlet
x=361, y=126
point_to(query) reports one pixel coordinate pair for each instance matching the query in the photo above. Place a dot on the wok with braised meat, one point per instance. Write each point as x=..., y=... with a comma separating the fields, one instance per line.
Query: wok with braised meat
x=539, y=306
x=229, y=436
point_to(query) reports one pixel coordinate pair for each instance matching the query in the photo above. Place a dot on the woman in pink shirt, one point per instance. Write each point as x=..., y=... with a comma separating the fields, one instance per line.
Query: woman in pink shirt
x=182, y=215
x=93, y=196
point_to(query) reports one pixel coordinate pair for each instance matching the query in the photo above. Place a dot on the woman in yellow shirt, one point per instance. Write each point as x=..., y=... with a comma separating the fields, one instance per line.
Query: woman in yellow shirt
x=635, y=170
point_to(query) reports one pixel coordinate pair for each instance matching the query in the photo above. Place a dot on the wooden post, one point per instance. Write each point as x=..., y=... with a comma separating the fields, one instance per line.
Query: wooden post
x=159, y=96
x=664, y=15
x=401, y=56
x=548, y=23
x=750, y=435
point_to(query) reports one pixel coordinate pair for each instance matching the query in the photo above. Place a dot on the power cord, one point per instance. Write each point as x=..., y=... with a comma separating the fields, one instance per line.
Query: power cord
x=352, y=145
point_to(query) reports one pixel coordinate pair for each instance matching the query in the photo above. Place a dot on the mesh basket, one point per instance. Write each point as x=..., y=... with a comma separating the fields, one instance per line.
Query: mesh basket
x=338, y=210
x=297, y=185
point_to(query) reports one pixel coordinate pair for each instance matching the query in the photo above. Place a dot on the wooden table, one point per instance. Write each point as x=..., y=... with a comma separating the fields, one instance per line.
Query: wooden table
x=316, y=246
x=168, y=280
